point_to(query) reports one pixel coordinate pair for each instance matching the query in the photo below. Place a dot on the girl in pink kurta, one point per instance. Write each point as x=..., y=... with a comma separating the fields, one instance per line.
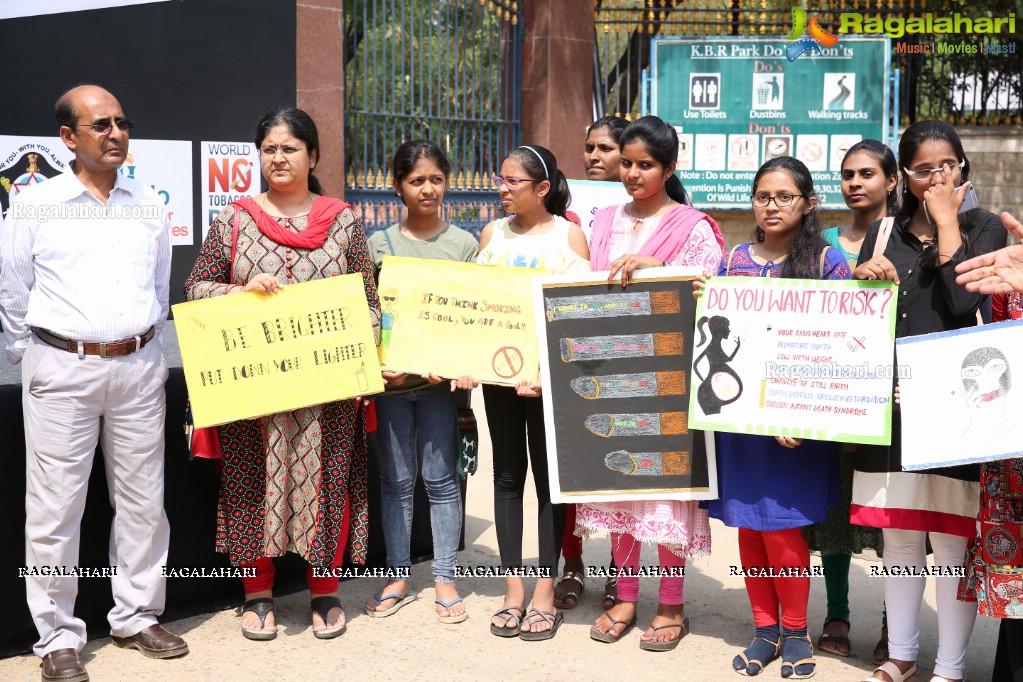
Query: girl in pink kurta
x=657, y=228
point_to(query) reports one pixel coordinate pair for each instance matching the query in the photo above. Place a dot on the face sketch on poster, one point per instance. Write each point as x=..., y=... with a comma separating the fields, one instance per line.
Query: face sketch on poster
x=962, y=380
x=614, y=365
x=719, y=385
x=986, y=380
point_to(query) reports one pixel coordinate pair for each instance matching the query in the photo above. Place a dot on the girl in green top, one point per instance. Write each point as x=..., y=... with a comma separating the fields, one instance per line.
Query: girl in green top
x=417, y=415
x=869, y=177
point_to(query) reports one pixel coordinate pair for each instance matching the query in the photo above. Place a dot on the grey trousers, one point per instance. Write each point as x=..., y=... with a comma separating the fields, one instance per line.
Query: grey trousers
x=71, y=403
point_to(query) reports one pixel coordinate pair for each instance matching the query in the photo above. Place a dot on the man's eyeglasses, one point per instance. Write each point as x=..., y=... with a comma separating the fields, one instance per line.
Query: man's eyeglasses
x=764, y=200
x=512, y=183
x=926, y=173
x=103, y=127
x=271, y=152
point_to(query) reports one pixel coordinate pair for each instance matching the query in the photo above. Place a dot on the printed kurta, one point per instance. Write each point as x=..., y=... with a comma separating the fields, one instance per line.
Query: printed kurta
x=288, y=477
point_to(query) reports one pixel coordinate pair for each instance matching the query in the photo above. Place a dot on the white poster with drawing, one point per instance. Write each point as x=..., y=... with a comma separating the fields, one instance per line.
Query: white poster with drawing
x=958, y=406
x=589, y=196
x=794, y=357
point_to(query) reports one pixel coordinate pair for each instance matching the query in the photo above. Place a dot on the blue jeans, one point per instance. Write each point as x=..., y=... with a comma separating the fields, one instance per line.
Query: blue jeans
x=412, y=428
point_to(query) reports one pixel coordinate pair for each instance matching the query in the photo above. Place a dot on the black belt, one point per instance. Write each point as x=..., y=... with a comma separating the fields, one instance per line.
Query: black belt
x=112, y=349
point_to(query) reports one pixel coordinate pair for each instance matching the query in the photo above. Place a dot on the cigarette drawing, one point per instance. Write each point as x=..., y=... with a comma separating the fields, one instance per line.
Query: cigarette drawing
x=638, y=385
x=648, y=463
x=360, y=374
x=620, y=346
x=638, y=424
x=611, y=305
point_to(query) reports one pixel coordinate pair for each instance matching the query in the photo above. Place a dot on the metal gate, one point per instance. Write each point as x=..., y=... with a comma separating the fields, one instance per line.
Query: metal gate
x=447, y=71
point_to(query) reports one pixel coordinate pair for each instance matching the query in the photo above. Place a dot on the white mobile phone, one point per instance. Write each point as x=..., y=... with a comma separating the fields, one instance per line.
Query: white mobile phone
x=970, y=202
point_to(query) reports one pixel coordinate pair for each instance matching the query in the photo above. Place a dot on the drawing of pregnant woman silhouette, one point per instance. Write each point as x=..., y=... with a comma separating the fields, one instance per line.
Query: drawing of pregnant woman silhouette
x=721, y=386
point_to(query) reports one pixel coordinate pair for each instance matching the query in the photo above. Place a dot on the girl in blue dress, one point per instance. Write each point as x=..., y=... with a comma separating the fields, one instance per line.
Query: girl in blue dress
x=770, y=487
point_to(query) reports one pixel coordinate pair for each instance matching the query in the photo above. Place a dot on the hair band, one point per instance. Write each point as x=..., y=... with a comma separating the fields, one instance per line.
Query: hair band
x=546, y=174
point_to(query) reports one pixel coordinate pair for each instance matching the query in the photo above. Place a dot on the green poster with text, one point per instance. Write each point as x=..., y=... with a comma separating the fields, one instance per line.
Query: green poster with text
x=739, y=102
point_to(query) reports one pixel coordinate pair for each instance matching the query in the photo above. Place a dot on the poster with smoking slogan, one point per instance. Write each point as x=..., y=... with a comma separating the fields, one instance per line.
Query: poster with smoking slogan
x=791, y=357
x=615, y=368
x=958, y=401
x=451, y=319
x=248, y=355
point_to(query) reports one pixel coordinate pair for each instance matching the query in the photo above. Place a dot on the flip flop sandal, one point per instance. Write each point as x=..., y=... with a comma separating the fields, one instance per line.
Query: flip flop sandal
x=671, y=643
x=788, y=668
x=892, y=671
x=762, y=664
x=322, y=606
x=610, y=637
x=450, y=620
x=262, y=607
x=533, y=617
x=825, y=639
x=610, y=593
x=509, y=617
x=574, y=595
x=403, y=600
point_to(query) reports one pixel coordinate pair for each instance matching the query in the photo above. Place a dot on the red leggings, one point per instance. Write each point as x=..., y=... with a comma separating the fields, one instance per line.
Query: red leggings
x=571, y=544
x=785, y=549
x=318, y=585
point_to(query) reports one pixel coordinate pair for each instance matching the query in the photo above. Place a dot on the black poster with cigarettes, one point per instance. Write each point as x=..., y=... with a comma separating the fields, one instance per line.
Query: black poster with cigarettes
x=615, y=364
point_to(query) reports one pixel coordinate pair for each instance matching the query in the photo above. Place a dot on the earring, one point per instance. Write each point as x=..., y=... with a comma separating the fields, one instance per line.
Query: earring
x=538, y=199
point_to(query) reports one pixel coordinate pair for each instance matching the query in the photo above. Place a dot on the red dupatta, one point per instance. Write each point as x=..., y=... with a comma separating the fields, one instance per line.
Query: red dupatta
x=321, y=217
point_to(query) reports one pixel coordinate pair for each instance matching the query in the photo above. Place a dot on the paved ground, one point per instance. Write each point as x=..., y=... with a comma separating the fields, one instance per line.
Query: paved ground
x=412, y=645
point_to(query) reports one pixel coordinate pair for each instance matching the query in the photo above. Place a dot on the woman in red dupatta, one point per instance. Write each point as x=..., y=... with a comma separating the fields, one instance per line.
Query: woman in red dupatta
x=292, y=481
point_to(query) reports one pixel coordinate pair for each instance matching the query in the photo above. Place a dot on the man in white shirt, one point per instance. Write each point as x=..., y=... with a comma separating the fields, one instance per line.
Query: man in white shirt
x=84, y=289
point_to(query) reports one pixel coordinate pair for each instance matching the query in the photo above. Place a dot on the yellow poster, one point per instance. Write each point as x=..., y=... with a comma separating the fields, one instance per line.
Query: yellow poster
x=453, y=319
x=249, y=355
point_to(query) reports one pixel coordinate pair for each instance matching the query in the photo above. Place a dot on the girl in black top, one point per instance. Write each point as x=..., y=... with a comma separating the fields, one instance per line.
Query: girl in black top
x=930, y=237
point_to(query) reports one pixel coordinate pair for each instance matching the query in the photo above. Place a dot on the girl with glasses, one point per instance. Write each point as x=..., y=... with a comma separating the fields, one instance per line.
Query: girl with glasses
x=771, y=487
x=292, y=481
x=537, y=235
x=870, y=176
x=417, y=415
x=658, y=227
x=929, y=238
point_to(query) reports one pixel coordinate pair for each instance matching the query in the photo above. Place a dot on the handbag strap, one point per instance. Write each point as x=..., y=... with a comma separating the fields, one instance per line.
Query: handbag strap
x=234, y=241
x=823, y=263
x=728, y=264
x=390, y=246
x=883, y=233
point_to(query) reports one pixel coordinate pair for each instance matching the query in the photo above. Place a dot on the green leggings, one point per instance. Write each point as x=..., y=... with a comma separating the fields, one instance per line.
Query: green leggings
x=836, y=581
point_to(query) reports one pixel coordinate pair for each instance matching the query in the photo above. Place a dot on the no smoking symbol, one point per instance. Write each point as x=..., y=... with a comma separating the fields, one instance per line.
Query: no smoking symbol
x=507, y=362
